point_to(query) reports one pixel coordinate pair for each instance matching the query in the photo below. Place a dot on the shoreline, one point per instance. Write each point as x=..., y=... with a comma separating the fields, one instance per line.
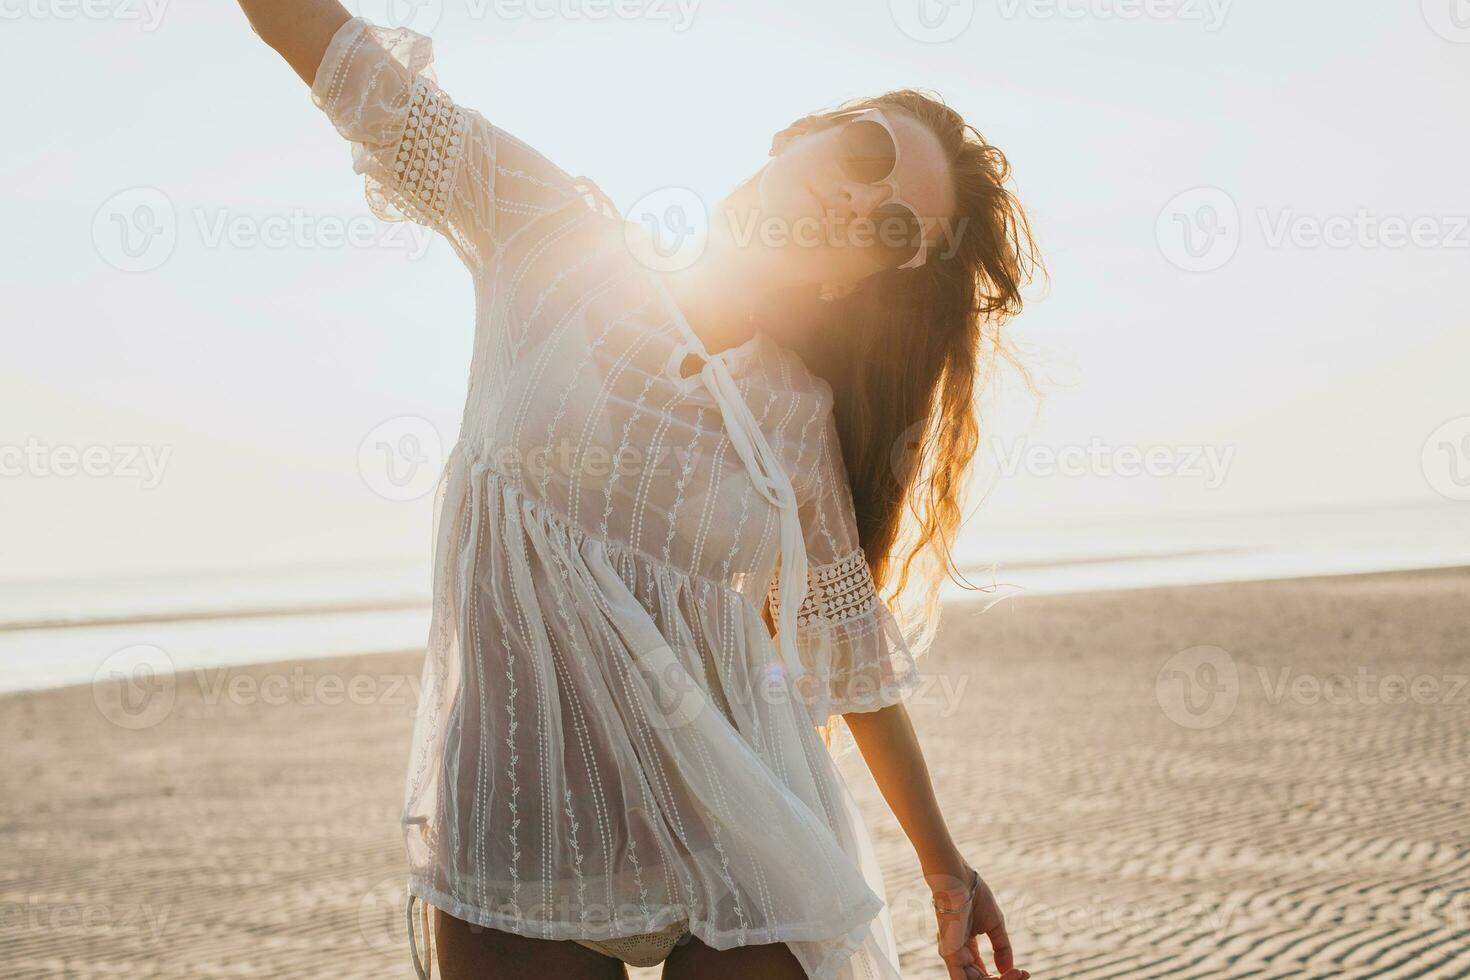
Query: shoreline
x=83, y=673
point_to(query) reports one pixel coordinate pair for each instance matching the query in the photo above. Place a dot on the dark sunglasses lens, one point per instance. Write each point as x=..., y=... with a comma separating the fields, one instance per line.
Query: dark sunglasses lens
x=867, y=152
x=898, y=234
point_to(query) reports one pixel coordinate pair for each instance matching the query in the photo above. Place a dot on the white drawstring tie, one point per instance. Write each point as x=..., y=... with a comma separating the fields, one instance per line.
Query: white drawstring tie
x=423, y=966
x=765, y=471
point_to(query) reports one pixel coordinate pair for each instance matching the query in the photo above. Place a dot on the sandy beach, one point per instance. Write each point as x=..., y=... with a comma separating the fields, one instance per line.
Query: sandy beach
x=1254, y=780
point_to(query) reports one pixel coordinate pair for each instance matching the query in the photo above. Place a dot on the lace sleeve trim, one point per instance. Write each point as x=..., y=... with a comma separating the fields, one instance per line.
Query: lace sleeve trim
x=429, y=153
x=836, y=592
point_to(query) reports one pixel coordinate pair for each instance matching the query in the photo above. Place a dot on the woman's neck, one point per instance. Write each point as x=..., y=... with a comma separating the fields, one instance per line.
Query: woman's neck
x=730, y=294
x=718, y=303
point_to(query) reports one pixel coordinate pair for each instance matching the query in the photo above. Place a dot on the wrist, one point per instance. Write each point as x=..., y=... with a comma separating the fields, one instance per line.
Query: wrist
x=945, y=870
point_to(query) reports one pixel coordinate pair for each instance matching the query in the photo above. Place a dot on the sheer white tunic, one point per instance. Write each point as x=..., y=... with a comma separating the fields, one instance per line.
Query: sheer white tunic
x=607, y=739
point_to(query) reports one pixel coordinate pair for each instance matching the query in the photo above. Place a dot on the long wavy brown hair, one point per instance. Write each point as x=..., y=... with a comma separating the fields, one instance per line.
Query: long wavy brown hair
x=908, y=354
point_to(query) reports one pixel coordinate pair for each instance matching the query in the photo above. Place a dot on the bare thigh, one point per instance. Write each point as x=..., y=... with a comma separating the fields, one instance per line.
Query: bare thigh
x=695, y=961
x=470, y=952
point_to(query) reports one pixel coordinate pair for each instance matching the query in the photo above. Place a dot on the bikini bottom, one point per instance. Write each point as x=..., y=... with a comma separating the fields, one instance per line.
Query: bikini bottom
x=644, y=949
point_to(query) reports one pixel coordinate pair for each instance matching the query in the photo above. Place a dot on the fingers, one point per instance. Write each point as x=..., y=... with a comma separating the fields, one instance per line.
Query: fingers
x=959, y=964
x=1000, y=946
x=968, y=971
x=1005, y=957
x=961, y=956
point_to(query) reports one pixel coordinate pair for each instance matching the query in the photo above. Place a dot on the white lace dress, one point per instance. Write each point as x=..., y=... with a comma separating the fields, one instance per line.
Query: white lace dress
x=608, y=739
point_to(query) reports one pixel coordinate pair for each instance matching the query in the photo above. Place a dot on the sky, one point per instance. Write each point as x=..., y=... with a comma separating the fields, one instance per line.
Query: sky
x=1254, y=215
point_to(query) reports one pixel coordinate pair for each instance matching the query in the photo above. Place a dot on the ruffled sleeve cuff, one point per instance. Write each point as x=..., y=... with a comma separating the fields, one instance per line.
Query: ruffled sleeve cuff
x=377, y=87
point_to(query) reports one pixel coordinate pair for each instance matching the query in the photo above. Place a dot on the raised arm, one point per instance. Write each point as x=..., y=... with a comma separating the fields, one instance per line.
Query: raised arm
x=425, y=157
x=299, y=30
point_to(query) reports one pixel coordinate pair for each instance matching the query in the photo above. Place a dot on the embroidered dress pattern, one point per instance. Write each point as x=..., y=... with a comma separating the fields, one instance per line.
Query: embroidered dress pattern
x=609, y=741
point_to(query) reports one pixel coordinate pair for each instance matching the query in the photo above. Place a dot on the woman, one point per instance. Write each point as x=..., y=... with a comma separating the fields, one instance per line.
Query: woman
x=613, y=762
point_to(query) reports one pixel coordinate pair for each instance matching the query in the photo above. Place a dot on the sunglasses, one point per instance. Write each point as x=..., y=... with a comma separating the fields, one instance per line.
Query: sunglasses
x=867, y=152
